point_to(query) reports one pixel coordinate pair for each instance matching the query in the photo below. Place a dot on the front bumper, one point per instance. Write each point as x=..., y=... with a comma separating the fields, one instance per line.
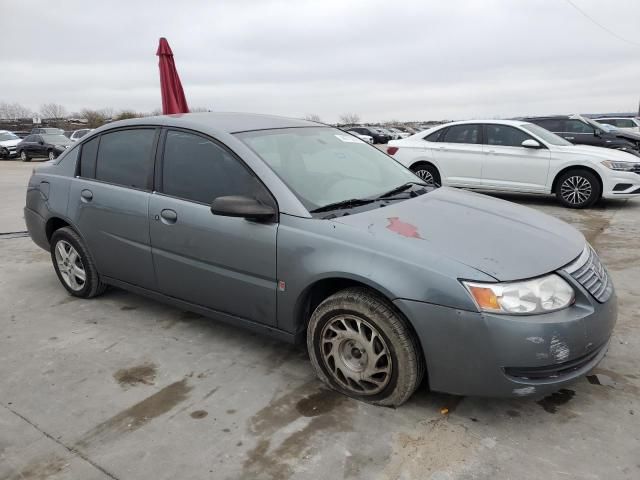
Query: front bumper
x=622, y=185
x=483, y=354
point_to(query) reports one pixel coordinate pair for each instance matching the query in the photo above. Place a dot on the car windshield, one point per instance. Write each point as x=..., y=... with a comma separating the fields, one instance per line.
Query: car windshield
x=323, y=165
x=546, y=135
x=8, y=136
x=49, y=138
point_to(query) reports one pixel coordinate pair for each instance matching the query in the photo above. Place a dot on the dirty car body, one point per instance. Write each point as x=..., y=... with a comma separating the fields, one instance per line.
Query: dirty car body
x=422, y=251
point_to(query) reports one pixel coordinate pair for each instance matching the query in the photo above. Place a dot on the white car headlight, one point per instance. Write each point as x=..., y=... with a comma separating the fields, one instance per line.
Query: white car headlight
x=621, y=166
x=540, y=295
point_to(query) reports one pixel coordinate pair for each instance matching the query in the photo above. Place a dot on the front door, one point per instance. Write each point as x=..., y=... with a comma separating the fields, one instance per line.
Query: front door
x=227, y=264
x=580, y=133
x=109, y=203
x=459, y=155
x=508, y=165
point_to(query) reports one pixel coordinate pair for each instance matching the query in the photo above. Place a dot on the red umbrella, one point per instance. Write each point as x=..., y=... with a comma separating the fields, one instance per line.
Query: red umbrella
x=173, y=100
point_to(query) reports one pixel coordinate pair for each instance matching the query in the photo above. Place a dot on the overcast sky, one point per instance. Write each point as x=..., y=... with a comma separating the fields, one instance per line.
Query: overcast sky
x=406, y=60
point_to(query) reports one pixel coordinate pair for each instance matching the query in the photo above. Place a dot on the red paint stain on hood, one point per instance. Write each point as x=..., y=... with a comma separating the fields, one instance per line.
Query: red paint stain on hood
x=403, y=228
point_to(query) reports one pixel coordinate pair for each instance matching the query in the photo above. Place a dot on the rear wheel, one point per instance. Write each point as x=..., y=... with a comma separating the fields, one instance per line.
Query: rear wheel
x=578, y=189
x=428, y=173
x=360, y=346
x=74, y=265
x=51, y=155
x=24, y=157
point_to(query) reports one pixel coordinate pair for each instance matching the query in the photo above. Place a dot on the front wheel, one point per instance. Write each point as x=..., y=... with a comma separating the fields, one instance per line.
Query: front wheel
x=360, y=346
x=51, y=155
x=578, y=189
x=24, y=157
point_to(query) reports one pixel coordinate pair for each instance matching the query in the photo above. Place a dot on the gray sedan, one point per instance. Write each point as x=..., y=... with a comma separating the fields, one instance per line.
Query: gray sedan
x=302, y=231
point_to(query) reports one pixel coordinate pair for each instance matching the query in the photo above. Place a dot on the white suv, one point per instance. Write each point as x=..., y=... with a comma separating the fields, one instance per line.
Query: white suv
x=516, y=156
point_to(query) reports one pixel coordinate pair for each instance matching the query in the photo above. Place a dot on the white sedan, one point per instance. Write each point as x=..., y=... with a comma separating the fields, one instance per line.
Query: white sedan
x=516, y=156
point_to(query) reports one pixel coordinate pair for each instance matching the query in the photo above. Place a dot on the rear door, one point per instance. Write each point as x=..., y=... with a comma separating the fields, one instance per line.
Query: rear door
x=224, y=263
x=109, y=203
x=459, y=156
x=580, y=133
x=507, y=165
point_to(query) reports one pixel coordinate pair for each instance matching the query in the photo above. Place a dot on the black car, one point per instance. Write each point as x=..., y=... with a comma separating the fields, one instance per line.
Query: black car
x=42, y=145
x=378, y=136
x=583, y=131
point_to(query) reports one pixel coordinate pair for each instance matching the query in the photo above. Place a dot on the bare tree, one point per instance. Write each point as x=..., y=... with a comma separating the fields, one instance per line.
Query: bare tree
x=53, y=111
x=124, y=114
x=312, y=117
x=94, y=118
x=14, y=111
x=349, y=118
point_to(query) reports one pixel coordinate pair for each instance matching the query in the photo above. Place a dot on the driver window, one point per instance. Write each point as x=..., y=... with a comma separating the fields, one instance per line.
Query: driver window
x=576, y=126
x=505, y=136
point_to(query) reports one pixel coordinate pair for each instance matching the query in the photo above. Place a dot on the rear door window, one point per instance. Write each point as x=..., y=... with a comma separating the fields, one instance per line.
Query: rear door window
x=576, y=126
x=467, y=133
x=125, y=157
x=196, y=168
x=551, y=124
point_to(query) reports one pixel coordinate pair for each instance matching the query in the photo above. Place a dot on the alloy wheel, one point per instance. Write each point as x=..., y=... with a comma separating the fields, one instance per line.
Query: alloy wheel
x=23, y=156
x=427, y=177
x=356, y=354
x=576, y=190
x=70, y=265
x=52, y=156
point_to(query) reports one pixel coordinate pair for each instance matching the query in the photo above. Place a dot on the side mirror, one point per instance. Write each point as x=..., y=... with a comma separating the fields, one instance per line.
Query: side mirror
x=597, y=132
x=239, y=206
x=41, y=142
x=531, y=143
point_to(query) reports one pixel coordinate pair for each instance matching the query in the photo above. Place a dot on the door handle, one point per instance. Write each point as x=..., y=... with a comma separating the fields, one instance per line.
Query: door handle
x=86, y=195
x=168, y=216
x=570, y=138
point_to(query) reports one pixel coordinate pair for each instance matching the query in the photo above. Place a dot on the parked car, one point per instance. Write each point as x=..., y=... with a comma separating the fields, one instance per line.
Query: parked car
x=364, y=138
x=8, y=142
x=375, y=134
x=583, y=131
x=517, y=156
x=290, y=228
x=48, y=131
x=398, y=133
x=45, y=145
x=385, y=131
x=630, y=124
x=78, y=134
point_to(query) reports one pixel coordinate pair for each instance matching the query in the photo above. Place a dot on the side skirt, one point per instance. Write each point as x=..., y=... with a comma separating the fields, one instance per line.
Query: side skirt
x=206, y=312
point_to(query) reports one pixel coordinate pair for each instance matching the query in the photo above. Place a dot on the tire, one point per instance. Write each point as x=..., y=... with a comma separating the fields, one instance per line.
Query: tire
x=51, y=155
x=346, y=333
x=428, y=173
x=90, y=286
x=578, y=189
x=24, y=157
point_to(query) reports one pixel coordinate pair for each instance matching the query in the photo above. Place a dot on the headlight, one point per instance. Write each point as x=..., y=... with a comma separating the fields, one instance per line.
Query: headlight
x=540, y=295
x=621, y=166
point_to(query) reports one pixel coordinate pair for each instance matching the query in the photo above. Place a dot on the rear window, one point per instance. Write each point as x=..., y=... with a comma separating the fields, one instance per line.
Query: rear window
x=125, y=157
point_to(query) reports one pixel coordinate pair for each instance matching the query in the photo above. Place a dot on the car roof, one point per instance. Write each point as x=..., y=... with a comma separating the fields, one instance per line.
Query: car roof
x=513, y=123
x=229, y=122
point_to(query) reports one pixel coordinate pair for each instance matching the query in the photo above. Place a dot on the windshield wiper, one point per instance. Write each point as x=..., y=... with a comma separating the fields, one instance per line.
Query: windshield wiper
x=342, y=204
x=401, y=188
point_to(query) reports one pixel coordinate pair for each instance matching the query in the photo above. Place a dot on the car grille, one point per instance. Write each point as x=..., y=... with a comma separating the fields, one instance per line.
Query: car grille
x=589, y=272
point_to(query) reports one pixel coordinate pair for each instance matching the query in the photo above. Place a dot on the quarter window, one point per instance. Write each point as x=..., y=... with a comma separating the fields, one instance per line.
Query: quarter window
x=462, y=134
x=505, y=136
x=125, y=157
x=88, y=158
x=435, y=136
x=197, y=169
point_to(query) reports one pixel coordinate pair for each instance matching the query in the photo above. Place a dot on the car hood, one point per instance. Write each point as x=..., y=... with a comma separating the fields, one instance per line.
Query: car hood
x=496, y=237
x=601, y=153
x=10, y=143
x=627, y=134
